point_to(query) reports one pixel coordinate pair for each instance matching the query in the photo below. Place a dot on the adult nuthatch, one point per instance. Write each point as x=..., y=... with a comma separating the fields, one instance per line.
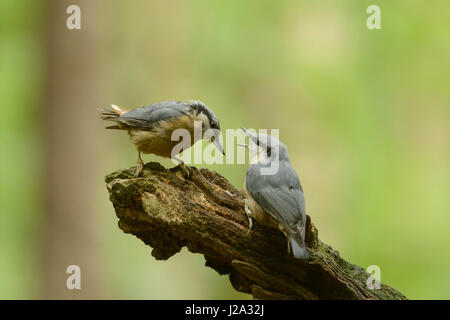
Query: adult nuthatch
x=150, y=127
x=276, y=198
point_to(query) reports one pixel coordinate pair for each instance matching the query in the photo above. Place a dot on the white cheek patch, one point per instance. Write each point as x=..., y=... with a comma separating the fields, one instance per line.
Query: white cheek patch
x=256, y=154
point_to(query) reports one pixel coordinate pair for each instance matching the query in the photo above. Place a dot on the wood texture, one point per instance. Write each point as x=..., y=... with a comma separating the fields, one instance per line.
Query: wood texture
x=168, y=211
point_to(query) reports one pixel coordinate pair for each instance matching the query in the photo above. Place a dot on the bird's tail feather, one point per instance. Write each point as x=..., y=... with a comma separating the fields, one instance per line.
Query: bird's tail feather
x=108, y=115
x=299, y=250
x=114, y=116
x=297, y=240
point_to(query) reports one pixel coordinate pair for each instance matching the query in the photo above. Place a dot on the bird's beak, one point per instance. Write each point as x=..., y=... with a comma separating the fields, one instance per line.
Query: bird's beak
x=216, y=140
x=243, y=145
x=250, y=135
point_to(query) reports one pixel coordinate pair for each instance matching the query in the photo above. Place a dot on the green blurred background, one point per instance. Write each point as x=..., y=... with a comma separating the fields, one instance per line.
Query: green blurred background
x=365, y=114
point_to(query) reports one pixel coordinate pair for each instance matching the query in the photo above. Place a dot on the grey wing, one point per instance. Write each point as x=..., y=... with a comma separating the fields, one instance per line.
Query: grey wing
x=146, y=117
x=280, y=195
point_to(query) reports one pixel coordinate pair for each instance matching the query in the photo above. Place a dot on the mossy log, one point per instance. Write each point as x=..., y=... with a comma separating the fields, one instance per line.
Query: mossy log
x=205, y=213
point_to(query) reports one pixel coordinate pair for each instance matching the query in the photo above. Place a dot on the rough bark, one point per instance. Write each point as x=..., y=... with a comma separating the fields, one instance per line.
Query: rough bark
x=168, y=211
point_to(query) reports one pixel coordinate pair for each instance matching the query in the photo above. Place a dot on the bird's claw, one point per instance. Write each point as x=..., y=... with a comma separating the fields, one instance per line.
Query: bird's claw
x=250, y=224
x=249, y=216
x=139, y=168
x=230, y=194
x=186, y=171
x=287, y=239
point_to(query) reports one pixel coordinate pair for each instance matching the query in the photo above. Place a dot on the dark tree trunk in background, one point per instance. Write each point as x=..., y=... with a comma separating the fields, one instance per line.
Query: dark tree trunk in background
x=69, y=229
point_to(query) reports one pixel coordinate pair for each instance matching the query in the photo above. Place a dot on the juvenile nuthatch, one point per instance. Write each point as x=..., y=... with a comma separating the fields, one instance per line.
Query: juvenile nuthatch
x=276, y=199
x=150, y=127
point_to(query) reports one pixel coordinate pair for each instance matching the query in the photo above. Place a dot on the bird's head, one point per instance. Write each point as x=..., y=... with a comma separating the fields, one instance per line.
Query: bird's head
x=210, y=123
x=265, y=146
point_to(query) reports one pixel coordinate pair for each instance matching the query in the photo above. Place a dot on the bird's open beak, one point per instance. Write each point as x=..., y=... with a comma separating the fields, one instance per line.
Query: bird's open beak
x=250, y=135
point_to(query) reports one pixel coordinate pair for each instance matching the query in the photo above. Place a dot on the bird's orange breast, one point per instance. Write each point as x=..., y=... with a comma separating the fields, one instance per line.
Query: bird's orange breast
x=158, y=140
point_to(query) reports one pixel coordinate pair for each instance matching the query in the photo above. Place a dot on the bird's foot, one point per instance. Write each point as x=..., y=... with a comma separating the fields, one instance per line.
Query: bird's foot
x=230, y=194
x=249, y=216
x=139, y=168
x=287, y=239
x=289, y=251
x=185, y=170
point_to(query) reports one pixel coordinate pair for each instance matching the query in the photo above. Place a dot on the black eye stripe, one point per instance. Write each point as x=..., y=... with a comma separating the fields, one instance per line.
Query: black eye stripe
x=214, y=124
